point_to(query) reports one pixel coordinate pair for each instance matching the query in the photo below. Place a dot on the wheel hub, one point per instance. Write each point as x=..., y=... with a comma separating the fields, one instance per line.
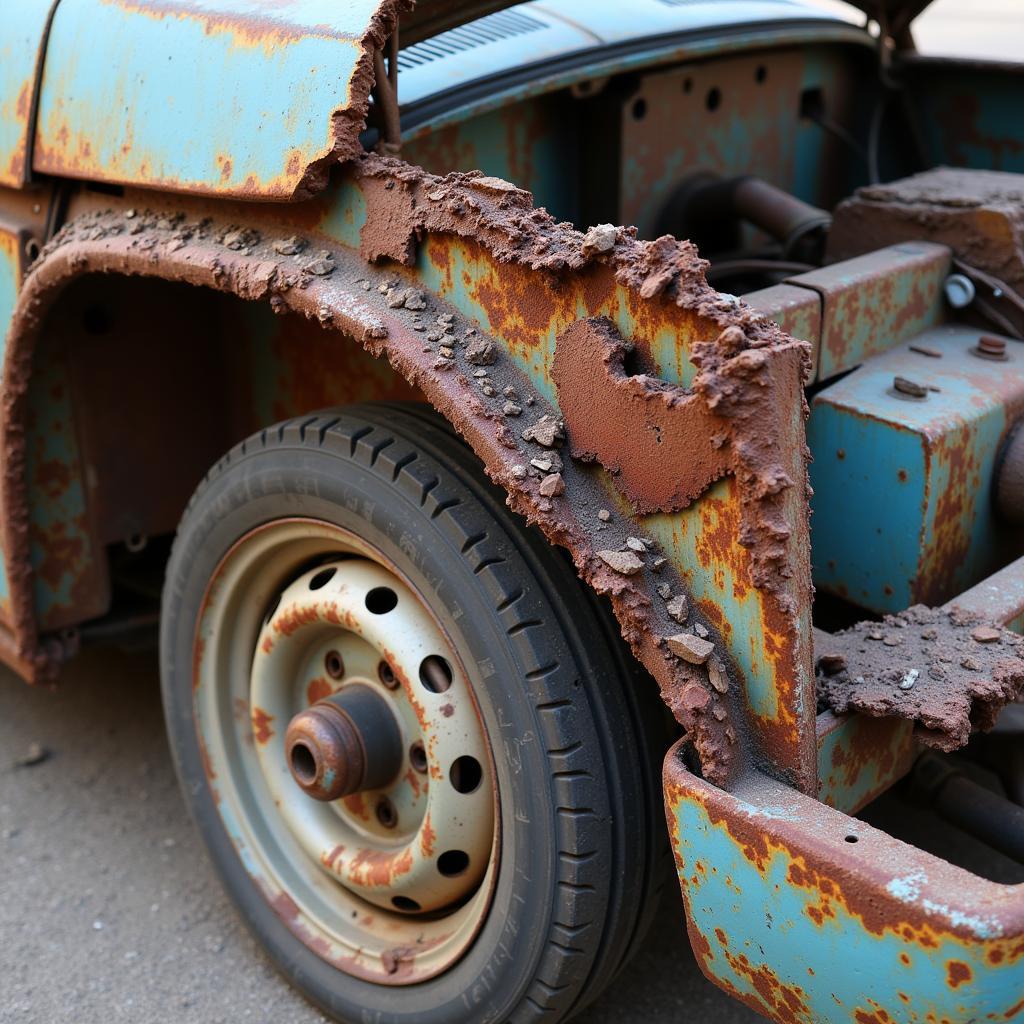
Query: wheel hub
x=345, y=744
x=380, y=771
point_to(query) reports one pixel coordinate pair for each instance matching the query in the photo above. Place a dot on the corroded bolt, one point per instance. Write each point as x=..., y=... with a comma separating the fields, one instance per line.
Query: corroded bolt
x=910, y=388
x=990, y=347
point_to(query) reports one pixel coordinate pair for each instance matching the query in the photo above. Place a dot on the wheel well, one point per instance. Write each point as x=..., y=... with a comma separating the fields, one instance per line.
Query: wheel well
x=138, y=386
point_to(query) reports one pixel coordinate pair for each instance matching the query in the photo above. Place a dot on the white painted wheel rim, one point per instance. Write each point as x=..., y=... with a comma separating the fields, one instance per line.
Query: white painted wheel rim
x=381, y=903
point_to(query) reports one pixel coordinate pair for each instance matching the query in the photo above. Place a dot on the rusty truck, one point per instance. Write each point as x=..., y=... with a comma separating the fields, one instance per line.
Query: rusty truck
x=447, y=388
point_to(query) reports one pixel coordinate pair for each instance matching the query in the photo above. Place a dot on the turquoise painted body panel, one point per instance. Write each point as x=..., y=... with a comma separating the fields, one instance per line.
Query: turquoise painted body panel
x=22, y=35
x=226, y=96
x=810, y=916
x=918, y=471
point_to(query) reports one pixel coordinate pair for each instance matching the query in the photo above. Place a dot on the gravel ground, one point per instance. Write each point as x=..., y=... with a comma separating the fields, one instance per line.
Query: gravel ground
x=109, y=911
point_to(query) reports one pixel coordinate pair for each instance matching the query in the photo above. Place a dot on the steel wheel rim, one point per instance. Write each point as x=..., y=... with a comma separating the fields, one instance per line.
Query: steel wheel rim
x=289, y=847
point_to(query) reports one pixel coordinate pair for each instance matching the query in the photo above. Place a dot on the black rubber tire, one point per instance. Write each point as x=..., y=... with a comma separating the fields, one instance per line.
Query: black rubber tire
x=583, y=836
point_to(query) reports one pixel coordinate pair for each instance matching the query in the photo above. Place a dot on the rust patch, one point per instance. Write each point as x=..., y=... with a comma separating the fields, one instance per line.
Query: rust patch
x=318, y=689
x=261, y=729
x=941, y=669
x=643, y=421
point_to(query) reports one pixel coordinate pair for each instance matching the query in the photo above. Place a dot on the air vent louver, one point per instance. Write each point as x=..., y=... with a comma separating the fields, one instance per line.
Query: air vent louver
x=489, y=29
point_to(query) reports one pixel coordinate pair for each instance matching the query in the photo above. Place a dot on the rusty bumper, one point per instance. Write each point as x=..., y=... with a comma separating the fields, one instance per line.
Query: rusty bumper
x=806, y=914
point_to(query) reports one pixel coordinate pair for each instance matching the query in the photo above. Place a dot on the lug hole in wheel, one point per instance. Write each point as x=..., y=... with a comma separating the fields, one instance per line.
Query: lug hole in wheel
x=322, y=578
x=381, y=600
x=435, y=673
x=465, y=774
x=452, y=863
x=418, y=757
x=333, y=665
x=386, y=814
x=404, y=903
x=386, y=675
x=303, y=763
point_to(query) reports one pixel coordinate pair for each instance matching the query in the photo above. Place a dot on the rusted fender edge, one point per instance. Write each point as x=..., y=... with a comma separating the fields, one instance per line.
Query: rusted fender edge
x=743, y=367
x=807, y=915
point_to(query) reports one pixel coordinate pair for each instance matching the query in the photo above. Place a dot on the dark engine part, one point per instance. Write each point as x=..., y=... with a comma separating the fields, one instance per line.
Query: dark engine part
x=711, y=211
x=972, y=807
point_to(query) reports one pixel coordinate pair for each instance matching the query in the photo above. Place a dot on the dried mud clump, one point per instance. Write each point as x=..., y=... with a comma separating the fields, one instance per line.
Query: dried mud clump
x=948, y=672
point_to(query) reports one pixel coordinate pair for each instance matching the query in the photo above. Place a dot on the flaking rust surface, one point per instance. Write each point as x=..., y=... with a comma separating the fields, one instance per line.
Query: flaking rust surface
x=944, y=670
x=979, y=214
x=744, y=363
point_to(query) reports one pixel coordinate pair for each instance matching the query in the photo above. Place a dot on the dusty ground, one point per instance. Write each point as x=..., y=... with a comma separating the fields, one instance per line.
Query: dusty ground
x=109, y=911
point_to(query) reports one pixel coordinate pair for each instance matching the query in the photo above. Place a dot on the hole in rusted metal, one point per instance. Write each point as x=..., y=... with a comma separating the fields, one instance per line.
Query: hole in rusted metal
x=418, y=757
x=386, y=813
x=760, y=74
x=322, y=578
x=714, y=98
x=465, y=774
x=97, y=320
x=452, y=863
x=639, y=109
x=435, y=673
x=334, y=665
x=404, y=903
x=852, y=839
x=387, y=675
x=687, y=85
x=303, y=763
x=381, y=600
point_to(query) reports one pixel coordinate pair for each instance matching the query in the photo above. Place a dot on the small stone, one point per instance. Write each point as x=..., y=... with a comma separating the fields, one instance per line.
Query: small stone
x=700, y=630
x=600, y=238
x=434, y=336
x=624, y=562
x=445, y=318
x=530, y=399
x=718, y=676
x=637, y=545
x=415, y=299
x=519, y=472
x=909, y=679
x=664, y=591
x=658, y=564
x=874, y=636
x=929, y=634
x=604, y=515
x=35, y=754
x=510, y=393
x=288, y=246
x=479, y=373
x=986, y=635
x=448, y=353
x=679, y=608
x=395, y=298
x=547, y=431
x=552, y=485
x=130, y=214
x=487, y=389
x=418, y=327
x=970, y=664
x=719, y=713
x=693, y=649
x=367, y=286
x=321, y=266
x=937, y=672
x=481, y=352
x=892, y=641
x=511, y=409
